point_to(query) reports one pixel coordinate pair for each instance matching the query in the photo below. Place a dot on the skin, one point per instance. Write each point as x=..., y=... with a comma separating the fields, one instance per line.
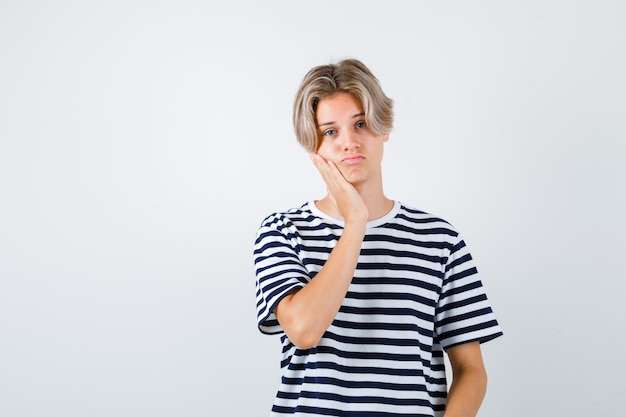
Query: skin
x=349, y=160
x=469, y=380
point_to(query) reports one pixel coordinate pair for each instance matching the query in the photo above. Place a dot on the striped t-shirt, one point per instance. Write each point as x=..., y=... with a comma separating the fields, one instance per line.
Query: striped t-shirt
x=415, y=292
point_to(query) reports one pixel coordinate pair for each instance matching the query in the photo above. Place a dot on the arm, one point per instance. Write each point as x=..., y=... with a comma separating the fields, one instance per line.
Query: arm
x=306, y=314
x=469, y=380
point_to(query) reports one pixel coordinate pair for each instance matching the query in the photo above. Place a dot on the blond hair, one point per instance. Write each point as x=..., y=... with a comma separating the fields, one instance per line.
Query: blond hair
x=347, y=76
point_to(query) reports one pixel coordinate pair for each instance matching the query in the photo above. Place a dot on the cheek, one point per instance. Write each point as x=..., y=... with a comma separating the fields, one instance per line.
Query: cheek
x=324, y=151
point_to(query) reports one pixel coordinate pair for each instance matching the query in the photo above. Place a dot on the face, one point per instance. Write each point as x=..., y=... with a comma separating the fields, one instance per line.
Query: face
x=346, y=139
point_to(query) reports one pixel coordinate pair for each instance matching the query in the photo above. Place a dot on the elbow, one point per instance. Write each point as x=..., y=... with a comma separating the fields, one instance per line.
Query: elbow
x=304, y=337
x=304, y=344
x=485, y=379
x=304, y=331
x=481, y=376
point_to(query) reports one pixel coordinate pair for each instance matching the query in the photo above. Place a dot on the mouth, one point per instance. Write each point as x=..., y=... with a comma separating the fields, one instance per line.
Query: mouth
x=352, y=159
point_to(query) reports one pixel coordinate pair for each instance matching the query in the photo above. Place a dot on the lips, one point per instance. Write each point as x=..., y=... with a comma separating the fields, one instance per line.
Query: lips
x=352, y=159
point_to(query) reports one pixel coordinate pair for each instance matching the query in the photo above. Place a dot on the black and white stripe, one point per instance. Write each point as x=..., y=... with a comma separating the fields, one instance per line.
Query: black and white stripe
x=415, y=292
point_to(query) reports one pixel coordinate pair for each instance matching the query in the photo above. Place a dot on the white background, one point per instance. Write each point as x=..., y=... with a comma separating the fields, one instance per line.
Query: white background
x=141, y=144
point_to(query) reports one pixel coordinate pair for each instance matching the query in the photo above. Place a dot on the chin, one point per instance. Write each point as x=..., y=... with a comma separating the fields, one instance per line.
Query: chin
x=354, y=179
x=354, y=176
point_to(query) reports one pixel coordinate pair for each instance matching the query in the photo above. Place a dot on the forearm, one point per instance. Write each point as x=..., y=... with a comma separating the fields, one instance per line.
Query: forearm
x=306, y=314
x=467, y=392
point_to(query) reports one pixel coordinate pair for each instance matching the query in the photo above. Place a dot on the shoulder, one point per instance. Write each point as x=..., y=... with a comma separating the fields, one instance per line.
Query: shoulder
x=425, y=221
x=295, y=214
x=291, y=221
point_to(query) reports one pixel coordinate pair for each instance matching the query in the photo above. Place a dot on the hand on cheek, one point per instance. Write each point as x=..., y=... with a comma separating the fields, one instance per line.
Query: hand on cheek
x=348, y=201
x=328, y=170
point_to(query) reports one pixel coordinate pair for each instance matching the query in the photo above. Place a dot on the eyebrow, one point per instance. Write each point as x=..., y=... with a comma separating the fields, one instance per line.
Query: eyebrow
x=330, y=123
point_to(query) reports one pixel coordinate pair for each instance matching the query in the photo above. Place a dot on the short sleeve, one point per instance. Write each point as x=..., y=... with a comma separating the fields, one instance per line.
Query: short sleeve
x=463, y=313
x=278, y=267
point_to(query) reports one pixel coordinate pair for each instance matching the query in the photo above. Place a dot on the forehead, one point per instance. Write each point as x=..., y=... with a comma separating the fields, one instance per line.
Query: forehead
x=336, y=107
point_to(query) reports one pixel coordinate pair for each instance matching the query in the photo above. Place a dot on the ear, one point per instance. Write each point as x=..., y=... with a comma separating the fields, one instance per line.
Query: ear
x=385, y=137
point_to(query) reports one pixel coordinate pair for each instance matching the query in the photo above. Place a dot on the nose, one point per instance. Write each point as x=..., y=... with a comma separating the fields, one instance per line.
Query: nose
x=349, y=140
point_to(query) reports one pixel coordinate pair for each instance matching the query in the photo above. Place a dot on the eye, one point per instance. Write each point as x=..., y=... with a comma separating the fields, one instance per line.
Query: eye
x=360, y=125
x=330, y=132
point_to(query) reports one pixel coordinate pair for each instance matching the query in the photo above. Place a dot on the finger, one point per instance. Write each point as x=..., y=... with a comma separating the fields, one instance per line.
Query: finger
x=335, y=169
x=324, y=167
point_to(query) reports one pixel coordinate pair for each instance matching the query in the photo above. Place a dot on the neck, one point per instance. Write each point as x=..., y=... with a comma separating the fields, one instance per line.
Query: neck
x=377, y=203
